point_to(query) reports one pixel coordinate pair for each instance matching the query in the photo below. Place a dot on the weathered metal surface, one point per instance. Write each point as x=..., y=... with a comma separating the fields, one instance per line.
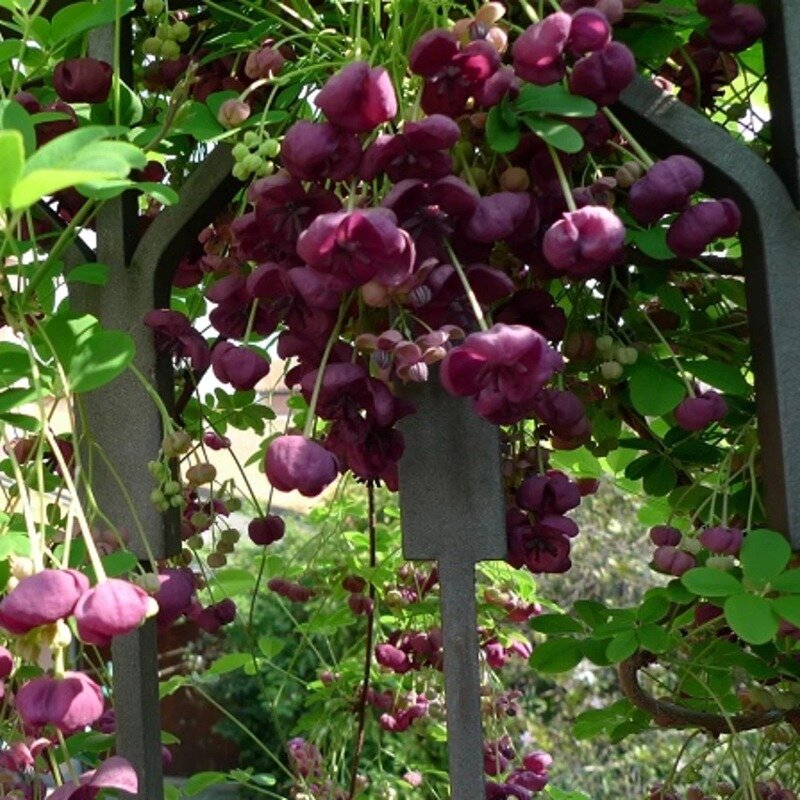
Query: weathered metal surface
x=771, y=243
x=451, y=502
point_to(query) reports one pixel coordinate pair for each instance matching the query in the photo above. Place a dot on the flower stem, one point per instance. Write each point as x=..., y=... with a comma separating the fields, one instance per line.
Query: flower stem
x=562, y=179
x=473, y=300
x=637, y=148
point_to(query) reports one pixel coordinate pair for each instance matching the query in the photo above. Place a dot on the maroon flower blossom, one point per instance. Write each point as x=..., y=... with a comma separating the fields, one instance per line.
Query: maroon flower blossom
x=696, y=413
x=499, y=215
x=418, y=152
x=114, y=773
x=41, y=599
x=318, y=151
x=452, y=73
x=590, y=31
x=583, y=243
x=661, y=535
x=671, y=561
x=82, y=80
x=175, y=335
x=69, y=703
x=6, y=663
x=535, y=546
x=358, y=246
x=603, y=75
x=294, y=462
x=358, y=98
x=110, y=609
x=537, y=309
x=722, y=541
x=266, y=530
x=538, y=52
x=266, y=62
x=694, y=229
x=234, y=309
x=241, y=367
x=503, y=83
x=213, y=617
x=563, y=413
x=502, y=369
x=613, y=10
x=667, y=186
x=174, y=597
x=392, y=658
x=736, y=29
x=548, y=494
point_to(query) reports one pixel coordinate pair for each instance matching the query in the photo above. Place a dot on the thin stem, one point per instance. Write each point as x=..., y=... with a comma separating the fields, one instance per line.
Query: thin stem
x=473, y=300
x=562, y=179
x=640, y=151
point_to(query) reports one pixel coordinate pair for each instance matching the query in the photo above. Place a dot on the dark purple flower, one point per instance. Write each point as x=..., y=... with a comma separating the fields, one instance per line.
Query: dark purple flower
x=82, y=80
x=112, y=608
x=234, y=311
x=551, y=493
x=613, y=10
x=295, y=462
x=603, y=75
x=174, y=596
x=392, y=658
x=721, y=540
x=213, y=617
x=590, y=31
x=266, y=62
x=175, y=334
x=504, y=83
x=667, y=186
x=6, y=663
x=114, y=773
x=266, y=530
x=538, y=51
x=69, y=703
x=694, y=229
x=358, y=246
x=671, y=561
x=241, y=367
x=502, y=369
x=737, y=29
x=583, y=243
x=536, y=547
x=498, y=216
x=358, y=98
x=696, y=413
x=661, y=535
x=537, y=309
x=418, y=152
x=562, y=412
x=452, y=73
x=41, y=599
x=318, y=151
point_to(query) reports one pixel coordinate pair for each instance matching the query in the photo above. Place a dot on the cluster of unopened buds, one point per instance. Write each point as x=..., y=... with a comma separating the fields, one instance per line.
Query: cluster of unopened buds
x=411, y=650
x=398, y=711
x=529, y=777
x=676, y=553
x=764, y=790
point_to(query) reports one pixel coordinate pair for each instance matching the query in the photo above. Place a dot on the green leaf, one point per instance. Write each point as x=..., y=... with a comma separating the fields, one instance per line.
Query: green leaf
x=787, y=581
x=553, y=99
x=12, y=157
x=654, y=638
x=93, y=273
x=562, y=794
x=163, y=194
x=721, y=376
x=641, y=466
x=764, y=555
x=230, y=662
x=788, y=608
x=556, y=623
x=556, y=655
x=13, y=398
x=596, y=720
x=101, y=359
x=234, y=581
x=201, y=781
x=45, y=182
x=751, y=618
x=79, y=17
x=591, y=612
x=119, y=563
x=270, y=646
x=653, y=608
x=661, y=478
x=501, y=137
x=622, y=646
x=707, y=582
x=14, y=117
x=652, y=242
x=59, y=152
x=558, y=134
x=654, y=390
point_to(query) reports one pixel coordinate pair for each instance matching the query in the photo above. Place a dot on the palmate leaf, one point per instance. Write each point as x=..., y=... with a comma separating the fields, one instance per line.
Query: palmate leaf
x=553, y=99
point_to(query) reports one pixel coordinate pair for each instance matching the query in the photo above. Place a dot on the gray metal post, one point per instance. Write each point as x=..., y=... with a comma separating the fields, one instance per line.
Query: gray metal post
x=451, y=502
x=771, y=243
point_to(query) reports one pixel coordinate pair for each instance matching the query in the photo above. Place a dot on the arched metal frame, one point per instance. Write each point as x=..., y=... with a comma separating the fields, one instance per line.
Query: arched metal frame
x=444, y=471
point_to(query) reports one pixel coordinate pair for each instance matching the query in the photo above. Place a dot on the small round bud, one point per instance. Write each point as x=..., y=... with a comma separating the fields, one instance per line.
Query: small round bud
x=172, y=487
x=240, y=172
x=200, y=520
x=176, y=443
x=266, y=169
x=231, y=536
x=720, y=562
x=514, y=179
x=225, y=547
x=180, y=31
x=152, y=46
x=156, y=496
x=170, y=50
x=233, y=113
x=628, y=174
x=690, y=545
x=152, y=8
x=62, y=635
x=198, y=474
x=186, y=557
x=611, y=370
x=240, y=151
x=270, y=148
x=164, y=32
x=195, y=542
x=252, y=162
x=22, y=567
x=216, y=560
x=627, y=355
x=233, y=504
x=176, y=501
x=251, y=139
x=604, y=343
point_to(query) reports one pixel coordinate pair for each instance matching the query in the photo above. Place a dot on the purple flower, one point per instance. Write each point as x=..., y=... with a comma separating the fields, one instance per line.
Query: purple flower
x=110, y=609
x=671, y=561
x=502, y=369
x=358, y=246
x=174, y=596
x=503, y=83
x=418, y=152
x=392, y=658
x=266, y=530
x=41, y=599
x=585, y=242
x=696, y=413
x=241, y=367
x=537, y=309
x=563, y=413
x=499, y=215
x=213, y=617
x=538, y=51
x=266, y=62
x=601, y=76
x=6, y=663
x=722, y=541
x=357, y=98
x=234, y=309
x=661, y=535
x=233, y=113
x=613, y=10
x=318, y=151
x=452, y=73
x=667, y=186
x=175, y=335
x=737, y=29
x=114, y=773
x=69, y=703
x=294, y=462
x=694, y=229
x=538, y=547
x=590, y=31
x=551, y=493
x=82, y=80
